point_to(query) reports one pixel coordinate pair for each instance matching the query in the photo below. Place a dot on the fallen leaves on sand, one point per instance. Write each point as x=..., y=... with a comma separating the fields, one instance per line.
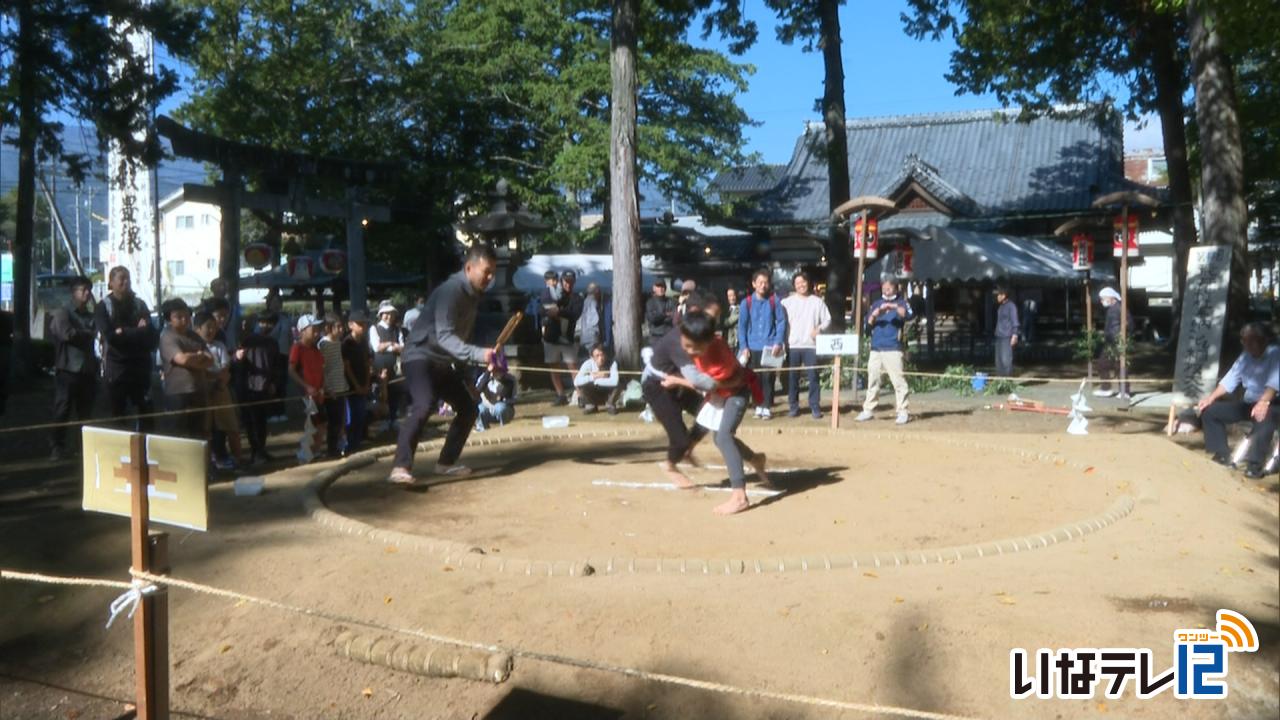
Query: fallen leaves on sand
x=225, y=647
x=1089, y=470
x=448, y=568
x=367, y=692
x=1005, y=598
x=386, y=600
x=390, y=549
x=870, y=574
x=1102, y=707
x=1245, y=545
x=899, y=599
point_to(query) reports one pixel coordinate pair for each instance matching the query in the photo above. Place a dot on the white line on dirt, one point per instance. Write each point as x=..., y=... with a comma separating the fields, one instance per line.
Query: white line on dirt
x=672, y=486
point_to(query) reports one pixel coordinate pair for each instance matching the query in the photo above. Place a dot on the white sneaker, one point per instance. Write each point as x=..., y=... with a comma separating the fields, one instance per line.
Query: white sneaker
x=766, y=414
x=864, y=416
x=903, y=418
x=1104, y=393
x=759, y=412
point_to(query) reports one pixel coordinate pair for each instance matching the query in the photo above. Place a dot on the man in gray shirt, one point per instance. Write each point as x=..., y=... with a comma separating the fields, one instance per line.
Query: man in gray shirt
x=434, y=361
x=76, y=377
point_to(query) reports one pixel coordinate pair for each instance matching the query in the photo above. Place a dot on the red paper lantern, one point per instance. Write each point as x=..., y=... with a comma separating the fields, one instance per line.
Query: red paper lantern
x=1133, y=235
x=1082, y=251
x=872, y=235
x=257, y=255
x=908, y=261
x=333, y=261
x=301, y=267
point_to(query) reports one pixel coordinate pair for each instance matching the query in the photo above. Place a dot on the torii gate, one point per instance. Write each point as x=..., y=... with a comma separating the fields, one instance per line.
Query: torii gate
x=235, y=158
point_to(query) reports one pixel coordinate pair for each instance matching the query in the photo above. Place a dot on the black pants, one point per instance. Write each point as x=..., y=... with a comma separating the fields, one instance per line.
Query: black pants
x=430, y=382
x=1227, y=411
x=668, y=406
x=191, y=420
x=132, y=388
x=596, y=395
x=1108, y=364
x=357, y=428
x=73, y=393
x=282, y=386
x=335, y=410
x=768, y=376
x=255, y=420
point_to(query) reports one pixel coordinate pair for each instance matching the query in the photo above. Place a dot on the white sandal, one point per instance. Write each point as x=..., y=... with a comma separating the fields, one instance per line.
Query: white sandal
x=401, y=476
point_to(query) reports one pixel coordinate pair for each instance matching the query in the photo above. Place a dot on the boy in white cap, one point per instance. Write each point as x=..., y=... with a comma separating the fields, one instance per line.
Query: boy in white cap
x=306, y=368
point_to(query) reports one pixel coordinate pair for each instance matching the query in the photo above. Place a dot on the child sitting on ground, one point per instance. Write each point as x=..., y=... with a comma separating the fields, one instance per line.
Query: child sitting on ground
x=306, y=368
x=735, y=388
x=597, y=382
x=497, y=391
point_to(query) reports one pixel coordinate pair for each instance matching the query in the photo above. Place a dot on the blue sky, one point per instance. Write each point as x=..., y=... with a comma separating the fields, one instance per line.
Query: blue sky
x=886, y=73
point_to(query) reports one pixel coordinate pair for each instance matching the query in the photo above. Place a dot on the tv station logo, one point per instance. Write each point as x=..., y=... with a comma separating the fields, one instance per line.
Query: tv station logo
x=1199, y=671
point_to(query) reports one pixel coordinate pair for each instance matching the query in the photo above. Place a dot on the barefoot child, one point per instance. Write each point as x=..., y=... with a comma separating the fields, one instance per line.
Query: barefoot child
x=732, y=391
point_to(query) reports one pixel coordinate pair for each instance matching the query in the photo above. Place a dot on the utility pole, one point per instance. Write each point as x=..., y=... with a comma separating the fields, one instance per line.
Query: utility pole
x=53, y=210
x=79, y=209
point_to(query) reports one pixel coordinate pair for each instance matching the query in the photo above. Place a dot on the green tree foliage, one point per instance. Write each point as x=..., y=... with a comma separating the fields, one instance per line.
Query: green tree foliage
x=462, y=93
x=68, y=58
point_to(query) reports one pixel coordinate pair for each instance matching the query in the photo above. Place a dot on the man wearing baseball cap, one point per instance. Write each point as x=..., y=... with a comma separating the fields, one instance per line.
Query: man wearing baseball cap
x=435, y=360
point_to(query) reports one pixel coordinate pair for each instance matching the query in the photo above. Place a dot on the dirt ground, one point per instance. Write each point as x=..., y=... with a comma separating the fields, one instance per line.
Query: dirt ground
x=929, y=637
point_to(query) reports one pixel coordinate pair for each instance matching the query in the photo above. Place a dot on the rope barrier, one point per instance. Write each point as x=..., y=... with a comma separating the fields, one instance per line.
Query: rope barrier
x=552, y=370
x=535, y=655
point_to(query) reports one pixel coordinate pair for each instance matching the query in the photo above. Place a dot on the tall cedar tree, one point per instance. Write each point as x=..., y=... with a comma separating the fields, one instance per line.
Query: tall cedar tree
x=67, y=58
x=817, y=24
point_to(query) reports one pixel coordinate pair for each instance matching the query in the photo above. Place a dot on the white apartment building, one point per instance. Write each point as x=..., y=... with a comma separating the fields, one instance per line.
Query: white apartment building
x=189, y=248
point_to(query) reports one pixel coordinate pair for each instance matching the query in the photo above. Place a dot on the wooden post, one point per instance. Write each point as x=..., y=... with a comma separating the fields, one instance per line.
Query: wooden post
x=1088, y=322
x=835, y=393
x=857, y=298
x=1124, y=299
x=150, y=631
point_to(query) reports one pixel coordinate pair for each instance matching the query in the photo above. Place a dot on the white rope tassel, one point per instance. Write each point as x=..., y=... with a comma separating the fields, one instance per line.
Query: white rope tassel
x=130, y=599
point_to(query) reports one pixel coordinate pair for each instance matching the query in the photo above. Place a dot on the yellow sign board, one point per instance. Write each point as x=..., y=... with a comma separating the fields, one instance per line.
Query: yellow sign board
x=178, y=491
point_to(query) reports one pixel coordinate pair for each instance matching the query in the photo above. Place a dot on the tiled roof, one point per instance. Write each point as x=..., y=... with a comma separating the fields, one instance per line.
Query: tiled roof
x=988, y=163
x=748, y=179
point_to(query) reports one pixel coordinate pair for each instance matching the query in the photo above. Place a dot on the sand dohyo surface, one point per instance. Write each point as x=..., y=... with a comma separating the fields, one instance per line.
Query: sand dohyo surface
x=932, y=637
x=843, y=495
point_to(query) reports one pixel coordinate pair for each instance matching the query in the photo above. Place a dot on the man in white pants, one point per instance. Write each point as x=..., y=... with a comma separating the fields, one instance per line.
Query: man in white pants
x=885, y=321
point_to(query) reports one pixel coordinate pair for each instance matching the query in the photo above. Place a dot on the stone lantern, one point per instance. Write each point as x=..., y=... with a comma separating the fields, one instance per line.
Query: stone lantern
x=504, y=227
